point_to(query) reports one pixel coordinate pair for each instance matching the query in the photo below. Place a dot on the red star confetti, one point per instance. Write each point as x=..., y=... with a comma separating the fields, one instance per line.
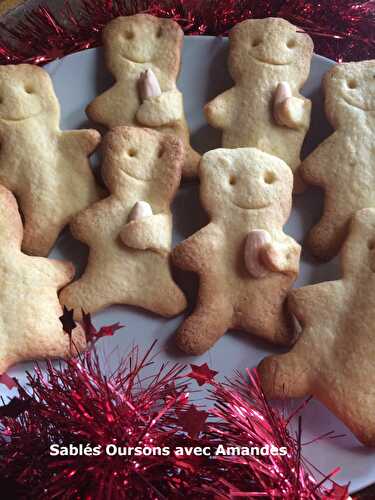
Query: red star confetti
x=14, y=408
x=202, y=374
x=8, y=381
x=192, y=420
x=92, y=334
x=88, y=327
x=67, y=320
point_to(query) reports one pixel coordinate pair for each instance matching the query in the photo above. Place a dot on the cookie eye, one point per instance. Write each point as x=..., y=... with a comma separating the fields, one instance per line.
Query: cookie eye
x=291, y=43
x=159, y=33
x=129, y=35
x=269, y=177
x=232, y=180
x=29, y=89
x=371, y=245
x=132, y=153
x=160, y=152
x=352, y=84
x=256, y=42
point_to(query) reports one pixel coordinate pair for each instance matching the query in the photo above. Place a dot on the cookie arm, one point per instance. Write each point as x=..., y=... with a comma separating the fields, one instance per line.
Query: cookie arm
x=317, y=167
x=161, y=110
x=58, y=272
x=149, y=233
x=85, y=141
x=315, y=302
x=291, y=111
x=218, y=112
x=282, y=257
x=287, y=375
x=191, y=253
x=86, y=225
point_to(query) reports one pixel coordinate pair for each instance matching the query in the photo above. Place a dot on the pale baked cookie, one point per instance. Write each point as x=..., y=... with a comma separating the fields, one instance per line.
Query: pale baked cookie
x=29, y=306
x=129, y=233
x=245, y=262
x=344, y=164
x=334, y=357
x=143, y=53
x=269, y=61
x=47, y=169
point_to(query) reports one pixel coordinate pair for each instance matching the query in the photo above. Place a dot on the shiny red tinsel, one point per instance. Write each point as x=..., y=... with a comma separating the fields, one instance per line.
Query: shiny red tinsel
x=80, y=403
x=342, y=29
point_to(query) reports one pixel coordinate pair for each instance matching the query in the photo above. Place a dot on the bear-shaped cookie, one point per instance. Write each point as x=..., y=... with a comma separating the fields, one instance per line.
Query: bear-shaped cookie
x=47, y=169
x=269, y=61
x=245, y=262
x=29, y=305
x=143, y=53
x=129, y=233
x=343, y=165
x=334, y=357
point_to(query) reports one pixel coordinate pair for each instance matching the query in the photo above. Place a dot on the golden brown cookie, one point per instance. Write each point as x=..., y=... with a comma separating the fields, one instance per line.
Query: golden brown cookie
x=129, y=233
x=29, y=306
x=343, y=165
x=47, y=169
x=143, y=53
x=269, y=61
x=245, y=262
x=334, y=357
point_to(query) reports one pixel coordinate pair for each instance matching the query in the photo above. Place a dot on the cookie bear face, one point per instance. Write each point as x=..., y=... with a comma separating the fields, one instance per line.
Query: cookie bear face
x=350, y=89
x=272, y=43
x=244, y=181
x=25, y=92
x=142, y=157
x=142, y=39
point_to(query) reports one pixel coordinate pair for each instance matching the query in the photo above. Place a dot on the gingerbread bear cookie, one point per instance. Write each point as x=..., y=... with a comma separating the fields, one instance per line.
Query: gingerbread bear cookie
x=245, y=262
x=269, y=61
x=334, y=357
x=343, y=165
x=143, y=53
x=129, y=233
x=29, y=305
x=47, y=169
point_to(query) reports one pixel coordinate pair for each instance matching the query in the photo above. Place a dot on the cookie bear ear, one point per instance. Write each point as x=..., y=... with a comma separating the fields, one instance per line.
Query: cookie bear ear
x=212, y=161
x=168, y=46
x=358, y=253
x=11, y=229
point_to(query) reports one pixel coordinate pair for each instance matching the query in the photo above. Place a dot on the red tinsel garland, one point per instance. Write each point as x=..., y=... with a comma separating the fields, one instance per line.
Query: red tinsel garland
x=80, y=405
x=342, y=29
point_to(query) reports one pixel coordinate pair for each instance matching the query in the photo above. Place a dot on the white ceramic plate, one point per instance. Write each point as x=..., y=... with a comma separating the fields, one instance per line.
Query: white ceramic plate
x=78, y=79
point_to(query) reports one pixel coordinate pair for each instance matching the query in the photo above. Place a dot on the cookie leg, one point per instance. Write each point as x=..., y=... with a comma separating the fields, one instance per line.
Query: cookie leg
x=165, y=299
x=40, y=234
x=265, y=315
x=285, y=376
x=86, y=294
x=191, y=162
x=325, y=239
x=204, y=327
x=351, y=404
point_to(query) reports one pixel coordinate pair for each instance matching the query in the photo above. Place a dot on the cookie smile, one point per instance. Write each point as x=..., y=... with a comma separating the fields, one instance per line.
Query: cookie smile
x=136, y=61
x=358, y=106
x=271, y=63
x=250, y=207
x=145, y=178
x=14, y=120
